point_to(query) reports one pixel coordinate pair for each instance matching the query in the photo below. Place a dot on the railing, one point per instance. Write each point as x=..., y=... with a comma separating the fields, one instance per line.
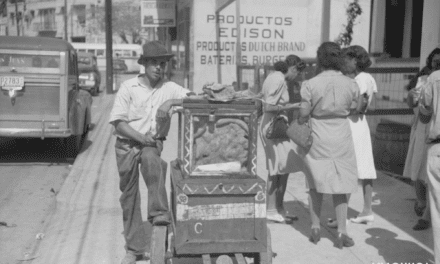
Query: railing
x=390, y=123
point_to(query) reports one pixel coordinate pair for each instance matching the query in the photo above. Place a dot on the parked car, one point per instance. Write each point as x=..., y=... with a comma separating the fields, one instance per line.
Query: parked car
x=119, y=66
x=89, y=77
x=39, y=91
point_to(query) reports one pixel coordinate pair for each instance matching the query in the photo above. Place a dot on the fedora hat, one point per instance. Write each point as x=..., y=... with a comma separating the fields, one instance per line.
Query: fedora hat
x=154, y=50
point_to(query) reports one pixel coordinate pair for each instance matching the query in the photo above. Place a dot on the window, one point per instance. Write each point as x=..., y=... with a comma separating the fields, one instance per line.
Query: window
x=117, y=53
x=100, y=53
x=12, y=15
x=80, y=12
x=47, y=19
x=92, y=10
x=134, y=53
x=126, y=53
x=91, y=51
x=3, y=9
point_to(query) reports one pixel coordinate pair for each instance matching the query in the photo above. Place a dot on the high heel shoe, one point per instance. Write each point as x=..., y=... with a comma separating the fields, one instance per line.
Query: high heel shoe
x=367, y=219
x=343, y=241
x=422, y=225
x=315, y=236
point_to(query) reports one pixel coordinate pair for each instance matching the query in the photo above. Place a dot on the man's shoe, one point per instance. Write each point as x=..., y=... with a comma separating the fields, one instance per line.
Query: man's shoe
x=422, y=225
x=129, y=258
x=161, y=220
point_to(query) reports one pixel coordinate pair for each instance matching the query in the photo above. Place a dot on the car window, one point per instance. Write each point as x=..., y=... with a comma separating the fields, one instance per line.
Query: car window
x=27, y=60
x=84, y=60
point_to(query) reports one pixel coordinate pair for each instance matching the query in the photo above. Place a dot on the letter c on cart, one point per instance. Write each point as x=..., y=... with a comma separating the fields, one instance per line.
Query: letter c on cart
x=198, y=231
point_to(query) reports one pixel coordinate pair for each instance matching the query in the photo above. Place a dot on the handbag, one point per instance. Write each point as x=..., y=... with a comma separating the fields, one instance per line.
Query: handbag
x=301, y=134
x=277, y=127
x=424, y=118
x=424, y=113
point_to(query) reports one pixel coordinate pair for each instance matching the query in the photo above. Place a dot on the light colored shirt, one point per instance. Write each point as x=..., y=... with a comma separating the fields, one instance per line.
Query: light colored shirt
x=366, y=84
x=275, y=89
x=329, y=94
x=430, y=103
x=137, y=104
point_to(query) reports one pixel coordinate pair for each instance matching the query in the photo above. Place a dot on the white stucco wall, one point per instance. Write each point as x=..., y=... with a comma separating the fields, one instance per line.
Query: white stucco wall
x=430, y=29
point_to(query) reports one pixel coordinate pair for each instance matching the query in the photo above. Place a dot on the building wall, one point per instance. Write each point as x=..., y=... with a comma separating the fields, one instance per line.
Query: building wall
x=430, y=29
x=32, y=25
x=269, y=32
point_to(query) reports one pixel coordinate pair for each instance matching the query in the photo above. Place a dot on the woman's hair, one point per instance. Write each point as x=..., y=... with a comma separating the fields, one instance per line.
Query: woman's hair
x=360, y=54
x=425, y=70
x=281, y=66
x=431, y=56
x=293, y=60
x=329, y=56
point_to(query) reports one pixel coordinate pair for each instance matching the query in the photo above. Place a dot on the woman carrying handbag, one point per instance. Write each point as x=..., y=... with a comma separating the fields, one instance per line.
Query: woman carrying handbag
x=281, y=153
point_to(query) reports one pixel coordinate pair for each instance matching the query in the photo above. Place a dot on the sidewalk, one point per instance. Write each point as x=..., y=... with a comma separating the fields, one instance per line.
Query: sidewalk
x=87, y=224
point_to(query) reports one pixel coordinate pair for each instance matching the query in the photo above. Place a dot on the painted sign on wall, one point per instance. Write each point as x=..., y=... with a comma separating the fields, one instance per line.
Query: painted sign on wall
x=269, y=32
x=158, y=13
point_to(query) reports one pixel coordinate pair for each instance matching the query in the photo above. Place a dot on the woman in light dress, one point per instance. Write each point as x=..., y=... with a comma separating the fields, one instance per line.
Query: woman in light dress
x=415, y=163
x=281, y=155
x=357, y=61
x=330, y=163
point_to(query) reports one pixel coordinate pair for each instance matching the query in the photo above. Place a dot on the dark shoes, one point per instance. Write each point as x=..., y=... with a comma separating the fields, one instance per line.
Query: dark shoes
x=419, y=209
x=343, y=241
x=161, y=220
x=422, y=225
x=315, y=236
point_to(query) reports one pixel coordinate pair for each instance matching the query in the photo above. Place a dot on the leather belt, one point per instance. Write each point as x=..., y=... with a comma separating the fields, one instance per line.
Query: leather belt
x=132, y=142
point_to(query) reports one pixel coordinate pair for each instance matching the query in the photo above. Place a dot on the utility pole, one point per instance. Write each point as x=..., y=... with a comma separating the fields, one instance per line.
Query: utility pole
x=65, y=21
x=109, y=46
x=22, y=17
x=238, y=54
x=17, y=19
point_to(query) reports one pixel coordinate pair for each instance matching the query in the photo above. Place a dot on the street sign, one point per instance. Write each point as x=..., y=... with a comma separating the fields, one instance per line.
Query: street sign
x=158, y=13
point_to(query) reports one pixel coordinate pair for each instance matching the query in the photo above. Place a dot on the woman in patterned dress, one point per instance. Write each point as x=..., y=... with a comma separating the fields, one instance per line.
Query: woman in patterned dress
x=281, y=154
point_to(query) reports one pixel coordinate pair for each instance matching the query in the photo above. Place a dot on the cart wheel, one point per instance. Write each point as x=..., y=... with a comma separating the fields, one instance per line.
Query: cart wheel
x=158, y=241
x=266, y=257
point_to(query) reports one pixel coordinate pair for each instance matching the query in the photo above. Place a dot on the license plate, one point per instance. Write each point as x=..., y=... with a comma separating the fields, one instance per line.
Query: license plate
x=12, y=82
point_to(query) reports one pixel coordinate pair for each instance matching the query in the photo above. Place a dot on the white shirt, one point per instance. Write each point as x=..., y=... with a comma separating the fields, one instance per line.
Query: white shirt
x=366, y=84
x=137, y=104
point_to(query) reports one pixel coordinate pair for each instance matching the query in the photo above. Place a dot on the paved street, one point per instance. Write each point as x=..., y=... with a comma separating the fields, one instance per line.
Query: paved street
x=87, y=224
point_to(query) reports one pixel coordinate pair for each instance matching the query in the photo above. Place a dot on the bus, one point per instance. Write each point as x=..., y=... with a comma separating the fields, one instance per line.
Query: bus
x=130, y=53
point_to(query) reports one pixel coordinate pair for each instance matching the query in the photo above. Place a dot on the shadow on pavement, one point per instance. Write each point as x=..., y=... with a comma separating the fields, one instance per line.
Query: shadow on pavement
x=26, y=150
x=303, y=224
x=393, y=249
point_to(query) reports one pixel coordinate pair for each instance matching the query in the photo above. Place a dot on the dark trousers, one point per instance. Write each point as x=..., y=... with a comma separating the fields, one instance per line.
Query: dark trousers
x=129, y=155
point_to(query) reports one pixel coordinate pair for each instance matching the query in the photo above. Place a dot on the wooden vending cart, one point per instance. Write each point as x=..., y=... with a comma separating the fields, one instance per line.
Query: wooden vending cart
x=218, y=202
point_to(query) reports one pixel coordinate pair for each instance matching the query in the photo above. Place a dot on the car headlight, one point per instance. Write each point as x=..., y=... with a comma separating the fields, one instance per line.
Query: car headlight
x=91, y=76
